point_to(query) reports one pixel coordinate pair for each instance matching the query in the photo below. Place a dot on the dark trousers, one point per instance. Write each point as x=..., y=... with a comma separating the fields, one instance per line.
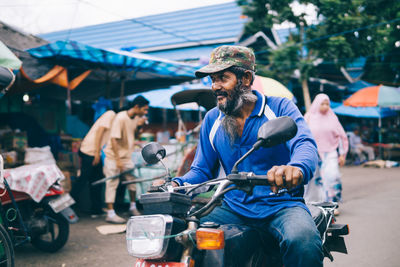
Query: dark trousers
x=89, y=174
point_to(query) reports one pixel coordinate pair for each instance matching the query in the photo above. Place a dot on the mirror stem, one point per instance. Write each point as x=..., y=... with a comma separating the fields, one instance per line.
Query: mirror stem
x=256, y=146
x=234, y=169
x=168, y=175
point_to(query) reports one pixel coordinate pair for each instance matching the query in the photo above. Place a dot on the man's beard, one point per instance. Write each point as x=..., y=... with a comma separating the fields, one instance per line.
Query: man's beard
x=232, y=108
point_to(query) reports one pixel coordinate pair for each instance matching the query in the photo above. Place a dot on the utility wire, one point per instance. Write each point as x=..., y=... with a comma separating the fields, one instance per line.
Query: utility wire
x=335, y=34
x=352, y=30
x=73, y=20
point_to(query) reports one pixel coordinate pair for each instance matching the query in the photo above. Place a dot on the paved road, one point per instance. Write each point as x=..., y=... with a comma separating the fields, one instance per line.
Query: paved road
x=370, y=208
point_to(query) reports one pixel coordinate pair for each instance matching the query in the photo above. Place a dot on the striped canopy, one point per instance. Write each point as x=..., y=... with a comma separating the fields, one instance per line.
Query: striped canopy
x=375, y=96
x=271, y=87
x=364, y=112
x=8, y=59
x=110, y=69
x=112, y=59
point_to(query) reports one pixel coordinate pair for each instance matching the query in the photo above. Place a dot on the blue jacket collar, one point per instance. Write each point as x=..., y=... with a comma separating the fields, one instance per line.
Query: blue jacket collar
x=260, y=104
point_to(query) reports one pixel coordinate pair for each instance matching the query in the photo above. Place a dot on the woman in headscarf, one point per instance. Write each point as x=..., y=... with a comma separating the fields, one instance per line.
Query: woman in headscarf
x=332, y=145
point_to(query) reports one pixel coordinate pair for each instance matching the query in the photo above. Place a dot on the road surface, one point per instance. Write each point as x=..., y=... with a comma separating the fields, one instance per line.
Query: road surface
x=371, y=208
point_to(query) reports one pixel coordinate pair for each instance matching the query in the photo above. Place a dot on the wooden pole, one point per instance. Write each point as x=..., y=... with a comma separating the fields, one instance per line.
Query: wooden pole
x=122, y=93
x=69, y=104
x=304, y=76
x=108, y=85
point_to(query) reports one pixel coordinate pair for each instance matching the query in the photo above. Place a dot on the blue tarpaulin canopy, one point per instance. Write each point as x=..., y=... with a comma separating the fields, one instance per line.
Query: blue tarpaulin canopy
x=360, y=84
x=113, y=59
x=139, y=72
x=364, y=112
x=162, y=98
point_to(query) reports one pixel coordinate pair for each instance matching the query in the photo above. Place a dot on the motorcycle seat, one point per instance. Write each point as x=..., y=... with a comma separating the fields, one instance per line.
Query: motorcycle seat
x=319, y=218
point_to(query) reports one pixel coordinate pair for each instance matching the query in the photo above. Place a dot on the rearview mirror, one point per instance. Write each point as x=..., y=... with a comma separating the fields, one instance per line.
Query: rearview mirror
x=276, y=131
x=153, y=152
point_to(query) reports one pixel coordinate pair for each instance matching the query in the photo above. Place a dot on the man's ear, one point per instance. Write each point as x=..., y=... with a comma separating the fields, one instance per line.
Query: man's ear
x=247, y=78
x=133, y=110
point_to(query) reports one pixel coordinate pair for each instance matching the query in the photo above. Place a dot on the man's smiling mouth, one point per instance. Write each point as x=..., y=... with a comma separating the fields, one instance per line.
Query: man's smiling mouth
x=220, y=97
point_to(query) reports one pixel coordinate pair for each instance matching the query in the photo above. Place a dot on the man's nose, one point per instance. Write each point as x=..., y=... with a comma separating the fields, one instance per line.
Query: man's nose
x=215, y=86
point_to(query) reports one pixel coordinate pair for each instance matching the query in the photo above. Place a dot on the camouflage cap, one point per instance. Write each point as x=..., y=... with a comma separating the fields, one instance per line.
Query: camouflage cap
x=227, y=56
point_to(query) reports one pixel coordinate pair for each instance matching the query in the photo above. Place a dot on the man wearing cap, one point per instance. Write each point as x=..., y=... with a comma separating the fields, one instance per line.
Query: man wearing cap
x=229, y=131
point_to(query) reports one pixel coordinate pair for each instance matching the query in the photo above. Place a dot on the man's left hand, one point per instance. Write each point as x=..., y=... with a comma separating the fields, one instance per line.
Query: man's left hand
x=342, y=160
x=284, y=176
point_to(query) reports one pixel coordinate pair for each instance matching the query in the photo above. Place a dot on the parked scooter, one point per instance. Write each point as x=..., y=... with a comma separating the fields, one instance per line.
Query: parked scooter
x=171, y=234
x=44, y=224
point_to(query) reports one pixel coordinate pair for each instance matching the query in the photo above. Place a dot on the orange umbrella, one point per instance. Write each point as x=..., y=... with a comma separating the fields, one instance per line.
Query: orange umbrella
x=271, y=87
x=374, y=96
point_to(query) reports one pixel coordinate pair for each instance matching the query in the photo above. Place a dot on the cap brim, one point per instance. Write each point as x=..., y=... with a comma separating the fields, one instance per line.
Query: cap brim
x=211, y=68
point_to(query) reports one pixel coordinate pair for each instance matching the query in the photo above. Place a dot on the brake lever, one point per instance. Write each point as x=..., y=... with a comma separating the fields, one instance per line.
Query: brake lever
x=155, y=188
x=166, y=187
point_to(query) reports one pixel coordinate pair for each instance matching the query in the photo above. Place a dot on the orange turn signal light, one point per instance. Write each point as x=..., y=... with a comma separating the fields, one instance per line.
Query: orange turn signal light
x=209, y=238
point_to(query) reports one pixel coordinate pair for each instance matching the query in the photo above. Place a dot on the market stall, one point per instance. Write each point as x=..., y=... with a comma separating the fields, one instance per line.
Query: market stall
x=114, y=73
x=376, y=100
x=68, y=70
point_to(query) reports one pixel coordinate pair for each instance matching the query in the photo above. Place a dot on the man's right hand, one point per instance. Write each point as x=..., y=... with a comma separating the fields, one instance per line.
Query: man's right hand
x=119, y=165
x=160, y=182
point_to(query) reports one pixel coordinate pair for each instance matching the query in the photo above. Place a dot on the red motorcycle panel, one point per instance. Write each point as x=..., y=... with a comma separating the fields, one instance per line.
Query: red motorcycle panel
x=18, y=196
x=144, y=263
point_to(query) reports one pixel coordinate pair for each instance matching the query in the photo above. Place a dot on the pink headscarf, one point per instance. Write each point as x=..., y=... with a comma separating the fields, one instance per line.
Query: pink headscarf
x=326, y=128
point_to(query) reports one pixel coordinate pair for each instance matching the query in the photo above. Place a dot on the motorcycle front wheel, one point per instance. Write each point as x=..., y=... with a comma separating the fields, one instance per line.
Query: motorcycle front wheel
x=56, y=235
x=6, y=249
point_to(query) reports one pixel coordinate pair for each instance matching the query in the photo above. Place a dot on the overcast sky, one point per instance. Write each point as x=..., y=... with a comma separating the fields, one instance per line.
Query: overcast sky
x=41, y=16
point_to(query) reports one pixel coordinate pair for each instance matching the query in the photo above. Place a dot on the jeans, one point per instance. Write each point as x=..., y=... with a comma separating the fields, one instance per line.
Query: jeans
x=294, y=229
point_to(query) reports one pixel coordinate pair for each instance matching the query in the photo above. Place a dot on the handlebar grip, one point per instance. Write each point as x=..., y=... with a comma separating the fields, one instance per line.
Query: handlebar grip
x=259, y=179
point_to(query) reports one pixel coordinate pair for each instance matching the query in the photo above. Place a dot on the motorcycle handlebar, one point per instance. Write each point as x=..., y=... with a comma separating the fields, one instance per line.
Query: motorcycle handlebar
x=238, y=179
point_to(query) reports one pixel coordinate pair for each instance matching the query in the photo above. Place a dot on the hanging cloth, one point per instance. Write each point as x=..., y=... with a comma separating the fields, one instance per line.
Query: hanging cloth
x=58, y=75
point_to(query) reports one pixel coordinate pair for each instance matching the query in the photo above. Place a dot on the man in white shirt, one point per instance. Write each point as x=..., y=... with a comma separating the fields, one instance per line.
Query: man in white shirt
x=91, y=166
x=118, y=152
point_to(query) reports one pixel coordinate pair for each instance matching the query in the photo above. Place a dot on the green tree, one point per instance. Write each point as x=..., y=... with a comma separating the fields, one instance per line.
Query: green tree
x=346, y=30
x=280, y=62
x=359, y=28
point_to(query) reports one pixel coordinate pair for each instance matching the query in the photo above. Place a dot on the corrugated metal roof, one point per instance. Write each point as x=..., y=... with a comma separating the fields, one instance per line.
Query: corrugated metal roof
x=193, y=26
x=188, y=54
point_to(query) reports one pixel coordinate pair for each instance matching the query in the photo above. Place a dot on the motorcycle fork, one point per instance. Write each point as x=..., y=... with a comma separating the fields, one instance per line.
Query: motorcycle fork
x=187, y=241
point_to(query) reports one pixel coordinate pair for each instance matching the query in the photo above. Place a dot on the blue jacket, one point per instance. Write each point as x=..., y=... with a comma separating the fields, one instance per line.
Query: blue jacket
x=214, y=148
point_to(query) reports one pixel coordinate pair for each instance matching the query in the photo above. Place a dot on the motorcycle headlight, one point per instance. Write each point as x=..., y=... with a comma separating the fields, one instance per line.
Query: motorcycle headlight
x=145, y=235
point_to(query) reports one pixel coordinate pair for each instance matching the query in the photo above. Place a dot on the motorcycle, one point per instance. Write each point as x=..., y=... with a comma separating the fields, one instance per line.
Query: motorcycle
x=45, y=223
x=170, y=234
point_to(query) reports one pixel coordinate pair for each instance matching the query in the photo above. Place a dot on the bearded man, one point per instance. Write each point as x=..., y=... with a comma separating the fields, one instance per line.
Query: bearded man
x=229, y=131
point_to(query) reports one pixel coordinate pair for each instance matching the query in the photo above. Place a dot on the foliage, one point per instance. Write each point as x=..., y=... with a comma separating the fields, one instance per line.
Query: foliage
x=359, y=28
x=347, y=30
x=281, y=62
